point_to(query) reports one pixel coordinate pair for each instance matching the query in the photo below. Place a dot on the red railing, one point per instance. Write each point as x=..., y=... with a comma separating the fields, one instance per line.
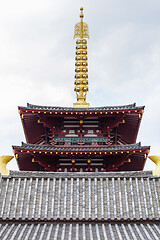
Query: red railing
x=82, y=141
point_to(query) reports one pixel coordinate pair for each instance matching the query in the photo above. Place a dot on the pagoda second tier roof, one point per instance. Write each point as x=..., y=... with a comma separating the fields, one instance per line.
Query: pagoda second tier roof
x=104, y=108
x=131, y=157
x=113, y=148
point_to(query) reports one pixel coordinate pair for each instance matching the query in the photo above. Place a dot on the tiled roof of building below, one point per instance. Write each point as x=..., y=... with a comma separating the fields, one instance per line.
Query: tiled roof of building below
x=80, y=231
x=115, y=205
x=80, y=196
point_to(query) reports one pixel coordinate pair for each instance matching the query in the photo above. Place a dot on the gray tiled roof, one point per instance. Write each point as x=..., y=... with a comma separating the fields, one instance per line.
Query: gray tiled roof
x=45, y=196
x=80, y=231
x=105, y=108
x=56, y=148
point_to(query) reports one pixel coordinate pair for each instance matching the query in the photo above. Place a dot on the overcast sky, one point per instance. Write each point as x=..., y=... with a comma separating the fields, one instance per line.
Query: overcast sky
x=37, y=60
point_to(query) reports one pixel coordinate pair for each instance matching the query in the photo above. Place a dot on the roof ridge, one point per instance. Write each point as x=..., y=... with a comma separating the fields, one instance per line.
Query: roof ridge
x=122, y=174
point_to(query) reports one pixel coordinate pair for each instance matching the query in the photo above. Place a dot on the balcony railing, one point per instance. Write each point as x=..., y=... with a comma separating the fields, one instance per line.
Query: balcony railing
x=84, y=141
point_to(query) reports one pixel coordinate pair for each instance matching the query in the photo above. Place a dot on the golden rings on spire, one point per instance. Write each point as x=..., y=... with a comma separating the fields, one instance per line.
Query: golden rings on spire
x=81, y=82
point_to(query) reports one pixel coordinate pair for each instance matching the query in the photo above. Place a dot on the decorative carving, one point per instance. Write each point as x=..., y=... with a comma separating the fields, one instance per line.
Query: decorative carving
x=81, y=32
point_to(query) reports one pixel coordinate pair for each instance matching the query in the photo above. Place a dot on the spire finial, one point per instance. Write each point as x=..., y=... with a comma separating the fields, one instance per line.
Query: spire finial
x=81, y=76
x=81, y=15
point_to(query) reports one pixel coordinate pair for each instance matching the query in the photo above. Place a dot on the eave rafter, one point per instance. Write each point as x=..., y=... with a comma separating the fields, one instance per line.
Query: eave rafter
x=81, y=112
x=80, y=152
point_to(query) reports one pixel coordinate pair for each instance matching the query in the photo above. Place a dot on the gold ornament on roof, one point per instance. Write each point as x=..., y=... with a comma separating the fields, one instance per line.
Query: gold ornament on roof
x=81, y=70
x=156, y=160
x=3, y=162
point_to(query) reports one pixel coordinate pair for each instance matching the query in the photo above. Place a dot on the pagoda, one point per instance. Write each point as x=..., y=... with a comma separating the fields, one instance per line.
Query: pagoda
x=81, y=138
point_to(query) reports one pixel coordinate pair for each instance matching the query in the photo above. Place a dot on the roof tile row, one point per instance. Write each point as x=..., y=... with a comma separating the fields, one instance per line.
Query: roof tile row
x=57, y=231
x=68, y=197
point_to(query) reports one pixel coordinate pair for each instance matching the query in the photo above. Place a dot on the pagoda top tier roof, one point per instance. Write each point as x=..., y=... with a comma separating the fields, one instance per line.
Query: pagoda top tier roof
x=32, y=115
x=104, y=108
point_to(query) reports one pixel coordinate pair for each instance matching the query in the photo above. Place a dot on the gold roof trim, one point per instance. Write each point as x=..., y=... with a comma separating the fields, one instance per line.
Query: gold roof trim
x=156, y=160
x=3, y=162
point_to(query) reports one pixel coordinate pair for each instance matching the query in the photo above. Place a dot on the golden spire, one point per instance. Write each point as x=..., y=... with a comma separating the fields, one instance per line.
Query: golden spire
x=81, y=76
